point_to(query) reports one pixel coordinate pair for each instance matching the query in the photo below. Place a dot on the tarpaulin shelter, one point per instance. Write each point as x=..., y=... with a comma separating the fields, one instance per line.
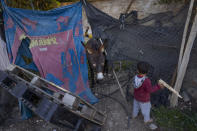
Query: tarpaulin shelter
x=50, y=42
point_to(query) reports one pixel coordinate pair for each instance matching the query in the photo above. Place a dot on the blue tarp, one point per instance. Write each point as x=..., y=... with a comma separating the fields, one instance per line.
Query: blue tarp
x=53, y=40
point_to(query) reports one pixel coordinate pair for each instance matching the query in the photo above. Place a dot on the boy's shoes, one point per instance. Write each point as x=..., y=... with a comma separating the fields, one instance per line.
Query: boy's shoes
x=152, y=126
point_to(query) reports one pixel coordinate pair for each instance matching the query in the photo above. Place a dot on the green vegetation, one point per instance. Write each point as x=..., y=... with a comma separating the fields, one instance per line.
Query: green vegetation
x=37, y=4
x=125, y=65
x=176, y=119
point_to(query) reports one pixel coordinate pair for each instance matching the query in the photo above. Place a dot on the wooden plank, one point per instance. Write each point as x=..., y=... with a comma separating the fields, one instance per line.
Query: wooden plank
x=174, y=76
x=185, y=34
x=36, y=79
x=121, y=90
x=10, y=67
x=185, y=61
x=129, y=6
x=170, y=88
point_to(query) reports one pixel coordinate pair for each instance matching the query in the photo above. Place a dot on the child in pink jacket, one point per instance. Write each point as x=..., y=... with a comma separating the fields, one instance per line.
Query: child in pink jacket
x=142, y=90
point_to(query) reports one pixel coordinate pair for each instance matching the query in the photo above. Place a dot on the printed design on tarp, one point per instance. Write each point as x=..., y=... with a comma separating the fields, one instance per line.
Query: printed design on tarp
x=50, y=42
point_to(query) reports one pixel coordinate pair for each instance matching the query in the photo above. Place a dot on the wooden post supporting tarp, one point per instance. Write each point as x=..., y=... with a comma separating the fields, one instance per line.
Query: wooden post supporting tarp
x=185, y=34
x=184, y=63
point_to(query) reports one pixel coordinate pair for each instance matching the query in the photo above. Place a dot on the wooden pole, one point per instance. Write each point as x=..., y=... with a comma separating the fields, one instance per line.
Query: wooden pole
x=129, y=6
x=185, y=61
x=170, y=88
x=185, y=34
x=121, y=90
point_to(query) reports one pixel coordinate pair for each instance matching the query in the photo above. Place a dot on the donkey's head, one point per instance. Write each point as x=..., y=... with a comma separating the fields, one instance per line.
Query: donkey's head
x=95, y=55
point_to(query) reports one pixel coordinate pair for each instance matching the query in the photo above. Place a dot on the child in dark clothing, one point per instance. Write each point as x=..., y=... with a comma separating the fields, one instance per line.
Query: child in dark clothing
x=142, y=90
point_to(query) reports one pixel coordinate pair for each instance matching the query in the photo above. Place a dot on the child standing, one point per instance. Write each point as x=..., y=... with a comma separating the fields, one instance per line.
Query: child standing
x=142, y=90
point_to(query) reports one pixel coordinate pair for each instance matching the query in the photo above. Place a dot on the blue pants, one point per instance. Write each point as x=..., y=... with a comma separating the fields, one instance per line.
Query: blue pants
x=144, y=107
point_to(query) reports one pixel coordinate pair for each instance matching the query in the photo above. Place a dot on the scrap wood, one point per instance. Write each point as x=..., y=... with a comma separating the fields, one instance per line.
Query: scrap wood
x=121, y=90
x=170, y=88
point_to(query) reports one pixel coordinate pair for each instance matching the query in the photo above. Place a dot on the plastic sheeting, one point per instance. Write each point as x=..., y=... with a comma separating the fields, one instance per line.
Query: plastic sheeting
x=4, y=61
x=53, y=40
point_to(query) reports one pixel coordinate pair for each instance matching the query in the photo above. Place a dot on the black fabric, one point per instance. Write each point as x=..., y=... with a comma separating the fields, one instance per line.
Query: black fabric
x=2, y=32
x=155, y=39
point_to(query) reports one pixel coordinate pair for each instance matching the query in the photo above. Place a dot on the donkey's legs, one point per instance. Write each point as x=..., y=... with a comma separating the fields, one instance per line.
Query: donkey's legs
x=106, y=69
x=92, y=76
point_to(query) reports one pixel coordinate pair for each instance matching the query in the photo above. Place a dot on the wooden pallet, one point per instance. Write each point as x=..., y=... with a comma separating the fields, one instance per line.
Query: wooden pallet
x=60, y=96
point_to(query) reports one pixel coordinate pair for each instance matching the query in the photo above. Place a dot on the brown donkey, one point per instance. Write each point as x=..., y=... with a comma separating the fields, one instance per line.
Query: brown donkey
x=95, y=51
